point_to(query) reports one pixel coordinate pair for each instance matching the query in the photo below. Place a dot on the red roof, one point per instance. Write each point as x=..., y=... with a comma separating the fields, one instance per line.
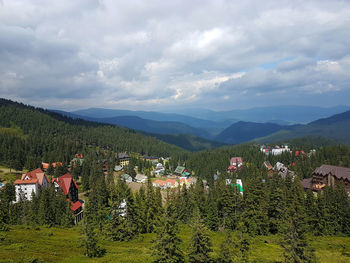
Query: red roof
x=237, y=160
x=75, y=206
x=171, y=181
x=159, y=182
x=36, y=174
x=45, y=165
x=30, y=181
x=64, y=182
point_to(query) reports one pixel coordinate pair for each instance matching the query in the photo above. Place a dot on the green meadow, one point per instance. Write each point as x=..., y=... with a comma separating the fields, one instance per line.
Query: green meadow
x=42, y=244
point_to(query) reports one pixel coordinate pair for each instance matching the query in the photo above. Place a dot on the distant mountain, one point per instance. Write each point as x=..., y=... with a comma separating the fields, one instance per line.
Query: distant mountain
x=144, y=125
x=150, y=126
x=246, y=131
x=289, y=113
x=211, y=126
x=335, y=127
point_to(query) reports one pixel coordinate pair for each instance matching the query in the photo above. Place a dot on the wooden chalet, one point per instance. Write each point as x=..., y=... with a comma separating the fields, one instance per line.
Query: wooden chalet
x=328, y=175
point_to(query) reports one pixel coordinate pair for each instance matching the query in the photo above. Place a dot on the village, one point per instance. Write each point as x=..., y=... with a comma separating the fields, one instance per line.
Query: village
x=165, y=178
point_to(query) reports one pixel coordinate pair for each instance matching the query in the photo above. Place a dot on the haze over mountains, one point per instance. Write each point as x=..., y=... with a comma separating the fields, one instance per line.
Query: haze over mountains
x=227, y=127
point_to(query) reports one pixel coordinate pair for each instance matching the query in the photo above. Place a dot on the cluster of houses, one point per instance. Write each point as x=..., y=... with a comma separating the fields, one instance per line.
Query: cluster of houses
x=30, y=183
x=276, y=150
x=279, y=168
x=236, y=164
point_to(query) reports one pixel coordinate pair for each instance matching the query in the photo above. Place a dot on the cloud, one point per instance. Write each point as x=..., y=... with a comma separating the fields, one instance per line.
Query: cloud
x=159, y=54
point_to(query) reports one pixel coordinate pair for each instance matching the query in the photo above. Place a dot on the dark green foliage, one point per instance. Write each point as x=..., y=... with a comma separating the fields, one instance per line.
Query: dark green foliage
x=200, y=244
x=296, y=247
x=166, y=247
x=42, y=135
x=229, y=250
x=89, y=241
x=255, y=214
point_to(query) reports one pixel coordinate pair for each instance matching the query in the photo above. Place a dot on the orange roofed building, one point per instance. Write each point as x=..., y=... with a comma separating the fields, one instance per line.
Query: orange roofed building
x=30, y=183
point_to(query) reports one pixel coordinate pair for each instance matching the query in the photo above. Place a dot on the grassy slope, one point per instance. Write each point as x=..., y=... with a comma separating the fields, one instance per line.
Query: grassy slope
x=22, y=244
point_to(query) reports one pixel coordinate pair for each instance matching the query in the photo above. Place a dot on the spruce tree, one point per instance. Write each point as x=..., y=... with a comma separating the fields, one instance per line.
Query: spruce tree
x=200, y=244
x=229, y=250
x=89, y=240
x=167, y=245
x=296, y=247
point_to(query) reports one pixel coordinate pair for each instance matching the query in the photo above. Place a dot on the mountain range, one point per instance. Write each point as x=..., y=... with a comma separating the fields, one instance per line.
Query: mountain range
x=226, y=127
x=335, y=127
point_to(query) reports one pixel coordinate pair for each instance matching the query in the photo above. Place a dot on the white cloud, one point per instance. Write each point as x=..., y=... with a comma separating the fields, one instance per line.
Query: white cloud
x=155, y=54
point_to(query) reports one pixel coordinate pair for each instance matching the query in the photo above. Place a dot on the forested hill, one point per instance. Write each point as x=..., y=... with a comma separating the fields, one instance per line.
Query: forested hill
x=30, y=135
x=246, y=131
x=335, y=127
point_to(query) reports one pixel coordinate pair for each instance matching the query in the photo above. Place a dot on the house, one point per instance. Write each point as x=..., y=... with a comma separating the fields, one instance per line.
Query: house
x=150, y=158
x=122, y=208
x=235, y=164
x=123, y=159
x=158, y=172
x=30, y=183
x=118, y=168
x=69, y=187
x=141, y=178
x=283, y=171
x=171, y=183
x=239, y=184
x=179, y=170
x=168, y=183
x=77, y=161
x=269, y=167
x=328, y=175
x=159, y=183
x=187, y=181
x=54, y=165
x=280, y=150
x=126, y=177
x=277, y=150
x=67, y=184
x=159, y=166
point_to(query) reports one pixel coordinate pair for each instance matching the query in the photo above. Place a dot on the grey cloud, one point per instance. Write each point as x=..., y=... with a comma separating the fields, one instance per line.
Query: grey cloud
x=172, y=53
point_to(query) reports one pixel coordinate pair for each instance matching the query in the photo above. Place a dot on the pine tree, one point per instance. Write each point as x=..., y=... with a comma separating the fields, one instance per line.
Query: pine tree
x=89, y=240
x=200, y=244
x=229, y=250
x=296, y=247
x=167, y=244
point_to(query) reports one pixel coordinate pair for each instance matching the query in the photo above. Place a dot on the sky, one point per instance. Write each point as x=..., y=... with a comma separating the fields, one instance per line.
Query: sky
x=158, y=55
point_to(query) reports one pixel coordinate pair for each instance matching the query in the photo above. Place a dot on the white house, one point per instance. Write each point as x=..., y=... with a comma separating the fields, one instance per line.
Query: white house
x=141, y=178
x=30, y=183
x=25, y=189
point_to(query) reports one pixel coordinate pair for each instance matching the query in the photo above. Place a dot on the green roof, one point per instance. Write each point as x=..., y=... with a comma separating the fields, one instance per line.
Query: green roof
x=179, y=170
x=76, y=160
x=125, y=176
x=118, y=168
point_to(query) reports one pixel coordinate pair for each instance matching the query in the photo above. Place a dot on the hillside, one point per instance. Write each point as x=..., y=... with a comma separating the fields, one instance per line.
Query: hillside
x=53, y=137
x=335, y=127
x=245, y=131
x=188, y=142
x=145, y=125
x=41, y=244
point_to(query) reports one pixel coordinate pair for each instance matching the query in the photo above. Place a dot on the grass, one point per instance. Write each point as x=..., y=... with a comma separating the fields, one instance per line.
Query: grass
x=27, y=244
